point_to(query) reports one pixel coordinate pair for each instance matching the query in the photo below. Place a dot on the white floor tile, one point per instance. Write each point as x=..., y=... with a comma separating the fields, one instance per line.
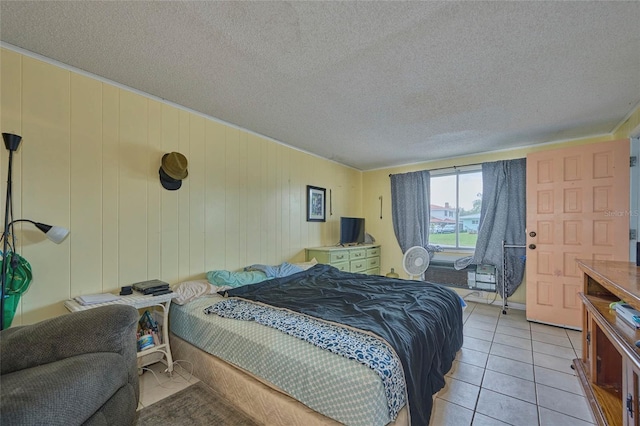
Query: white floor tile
x=553, y=362
x=476, y=344
x=459, y=392
x=509, y=385
x=551, y=339
x=515, y=323
x=574, y=334
x=478, y=333
x=469, y=356
x=507, y=409
x=555, y=350
x=481, y=317
x=515, y=313
x=447, y=414
x=565, y=402
x=553, y=418
x=482, y=308
x=466, y=373
x=514, y=368
x=510, y=352
x=548, y=329
x=558, y=380
x=481, y=325
x=576, y=339
x=516, y=342
x=512, y=331
x=482, y=420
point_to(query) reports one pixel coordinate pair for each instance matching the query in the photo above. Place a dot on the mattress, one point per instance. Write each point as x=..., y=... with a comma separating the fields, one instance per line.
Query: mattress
x=339, y=388
x=421, y=322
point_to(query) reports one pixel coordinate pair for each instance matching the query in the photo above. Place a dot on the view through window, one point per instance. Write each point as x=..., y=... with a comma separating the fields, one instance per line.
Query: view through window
x=456, y=199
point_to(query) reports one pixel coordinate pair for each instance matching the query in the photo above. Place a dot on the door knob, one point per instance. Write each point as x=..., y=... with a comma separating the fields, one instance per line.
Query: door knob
x=532, y=234
x=532, y=246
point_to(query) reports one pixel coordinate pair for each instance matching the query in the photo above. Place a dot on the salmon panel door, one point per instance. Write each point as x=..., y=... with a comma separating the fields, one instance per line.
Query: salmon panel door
x=577, y=208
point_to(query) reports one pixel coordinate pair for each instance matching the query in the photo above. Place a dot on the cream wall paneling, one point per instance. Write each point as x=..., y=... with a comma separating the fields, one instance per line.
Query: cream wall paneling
x=89, y=161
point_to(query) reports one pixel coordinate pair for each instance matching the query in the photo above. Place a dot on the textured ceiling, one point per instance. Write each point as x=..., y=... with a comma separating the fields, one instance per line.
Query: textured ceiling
x=367, y=84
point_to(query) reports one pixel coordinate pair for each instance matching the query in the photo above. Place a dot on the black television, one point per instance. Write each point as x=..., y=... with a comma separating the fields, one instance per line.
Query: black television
x=351, y=230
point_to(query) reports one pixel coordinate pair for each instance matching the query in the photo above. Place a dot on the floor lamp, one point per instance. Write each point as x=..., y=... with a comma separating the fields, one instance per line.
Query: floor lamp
x=56, y=234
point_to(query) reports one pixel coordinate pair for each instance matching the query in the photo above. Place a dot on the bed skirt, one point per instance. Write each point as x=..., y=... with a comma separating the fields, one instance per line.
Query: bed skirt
x=258, y=399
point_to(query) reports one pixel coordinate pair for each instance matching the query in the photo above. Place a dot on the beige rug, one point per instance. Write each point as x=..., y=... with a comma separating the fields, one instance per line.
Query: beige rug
x=195, y=405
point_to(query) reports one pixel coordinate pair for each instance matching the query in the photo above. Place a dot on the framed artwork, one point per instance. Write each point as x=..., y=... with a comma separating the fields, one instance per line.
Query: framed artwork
x=316, y=205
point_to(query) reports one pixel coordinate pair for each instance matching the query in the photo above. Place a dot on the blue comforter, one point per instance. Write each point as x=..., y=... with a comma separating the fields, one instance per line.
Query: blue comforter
x=422, y=322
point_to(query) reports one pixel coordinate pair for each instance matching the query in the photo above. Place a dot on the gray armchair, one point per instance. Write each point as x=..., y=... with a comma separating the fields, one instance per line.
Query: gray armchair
x=75, y=369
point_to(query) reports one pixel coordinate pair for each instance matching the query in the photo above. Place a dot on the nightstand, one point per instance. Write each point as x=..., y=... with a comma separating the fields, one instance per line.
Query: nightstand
x=139, y=301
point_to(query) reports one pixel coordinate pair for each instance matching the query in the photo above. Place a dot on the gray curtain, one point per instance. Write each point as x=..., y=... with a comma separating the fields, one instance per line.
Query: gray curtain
x=503, y=218
x=410, y=208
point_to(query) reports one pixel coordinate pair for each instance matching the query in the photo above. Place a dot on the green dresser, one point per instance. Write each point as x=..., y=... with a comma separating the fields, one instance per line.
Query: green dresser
x=363, y=259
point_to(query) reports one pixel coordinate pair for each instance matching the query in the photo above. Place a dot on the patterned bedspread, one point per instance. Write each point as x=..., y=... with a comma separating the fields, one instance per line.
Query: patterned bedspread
x=352, y=344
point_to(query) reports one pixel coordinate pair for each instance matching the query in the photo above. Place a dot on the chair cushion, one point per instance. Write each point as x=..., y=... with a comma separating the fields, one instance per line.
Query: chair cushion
x=62, y=392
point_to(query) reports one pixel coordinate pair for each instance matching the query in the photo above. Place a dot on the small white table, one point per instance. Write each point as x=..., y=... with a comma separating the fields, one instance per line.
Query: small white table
x=138, y=301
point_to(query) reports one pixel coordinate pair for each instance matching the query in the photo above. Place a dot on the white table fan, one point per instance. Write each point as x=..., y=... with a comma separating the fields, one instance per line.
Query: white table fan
x=415, y=262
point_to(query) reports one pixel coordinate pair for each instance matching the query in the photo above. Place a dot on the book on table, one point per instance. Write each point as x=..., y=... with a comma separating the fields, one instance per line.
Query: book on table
x=151, y=286
x=92, y=299
x=630, y=315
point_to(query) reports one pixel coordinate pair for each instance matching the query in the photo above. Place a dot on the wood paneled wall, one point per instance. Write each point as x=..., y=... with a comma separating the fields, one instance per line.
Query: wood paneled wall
x=89, y=161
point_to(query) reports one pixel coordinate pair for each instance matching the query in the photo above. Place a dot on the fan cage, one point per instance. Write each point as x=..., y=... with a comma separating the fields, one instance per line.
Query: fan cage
x=411, y=259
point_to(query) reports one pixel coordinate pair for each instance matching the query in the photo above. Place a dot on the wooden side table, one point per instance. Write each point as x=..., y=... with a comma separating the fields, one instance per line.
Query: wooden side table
x=139, y=301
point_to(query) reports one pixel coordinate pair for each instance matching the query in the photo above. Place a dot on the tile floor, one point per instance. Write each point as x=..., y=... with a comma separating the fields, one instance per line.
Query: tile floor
x=509, y=372
x=512, y=372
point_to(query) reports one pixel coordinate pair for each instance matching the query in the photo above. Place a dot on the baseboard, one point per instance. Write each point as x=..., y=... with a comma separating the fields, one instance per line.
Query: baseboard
x=498, y=302
x=490, y=298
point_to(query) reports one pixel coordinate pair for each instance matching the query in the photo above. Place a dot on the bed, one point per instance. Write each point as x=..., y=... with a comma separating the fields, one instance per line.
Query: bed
x=274, y=348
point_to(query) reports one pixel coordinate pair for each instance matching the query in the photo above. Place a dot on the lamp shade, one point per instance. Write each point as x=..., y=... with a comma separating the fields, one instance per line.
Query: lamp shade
x=11, y=141
x=57, y=234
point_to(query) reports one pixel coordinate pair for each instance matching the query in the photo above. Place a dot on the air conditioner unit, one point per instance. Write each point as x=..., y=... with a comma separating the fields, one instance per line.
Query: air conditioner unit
x=484, y=278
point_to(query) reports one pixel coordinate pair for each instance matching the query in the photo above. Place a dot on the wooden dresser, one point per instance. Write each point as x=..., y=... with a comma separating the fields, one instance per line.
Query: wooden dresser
x=364, y=259
x=609, y=369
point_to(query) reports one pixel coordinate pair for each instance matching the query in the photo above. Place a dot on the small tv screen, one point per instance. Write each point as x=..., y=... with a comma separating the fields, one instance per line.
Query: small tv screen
x=351, y=230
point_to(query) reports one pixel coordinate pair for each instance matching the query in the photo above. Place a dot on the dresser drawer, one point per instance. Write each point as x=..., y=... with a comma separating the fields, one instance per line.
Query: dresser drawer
x=373, y=252
x=343, y=266
x=349, y=259
x=339, y=256
x=357, y=254
x=373, y=262
x=358, y=265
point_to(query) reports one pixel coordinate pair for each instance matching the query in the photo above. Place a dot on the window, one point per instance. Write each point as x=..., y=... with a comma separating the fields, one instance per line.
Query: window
x=456, y=199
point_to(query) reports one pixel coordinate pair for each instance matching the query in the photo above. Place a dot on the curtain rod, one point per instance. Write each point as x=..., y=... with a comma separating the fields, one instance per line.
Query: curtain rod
x=450, y=167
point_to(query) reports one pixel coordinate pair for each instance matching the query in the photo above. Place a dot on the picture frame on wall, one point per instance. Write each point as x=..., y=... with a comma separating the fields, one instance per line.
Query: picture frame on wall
x=316, y=204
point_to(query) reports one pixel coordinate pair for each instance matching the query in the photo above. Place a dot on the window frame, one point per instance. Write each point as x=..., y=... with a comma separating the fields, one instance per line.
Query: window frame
x=454, y=171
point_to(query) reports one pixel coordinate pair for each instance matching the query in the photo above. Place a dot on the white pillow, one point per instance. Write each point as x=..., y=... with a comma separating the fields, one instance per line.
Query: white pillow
x=191, y=290
x=306, y=265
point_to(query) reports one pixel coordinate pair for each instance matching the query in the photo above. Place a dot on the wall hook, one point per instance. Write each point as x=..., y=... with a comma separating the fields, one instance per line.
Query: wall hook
x=330, y=203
